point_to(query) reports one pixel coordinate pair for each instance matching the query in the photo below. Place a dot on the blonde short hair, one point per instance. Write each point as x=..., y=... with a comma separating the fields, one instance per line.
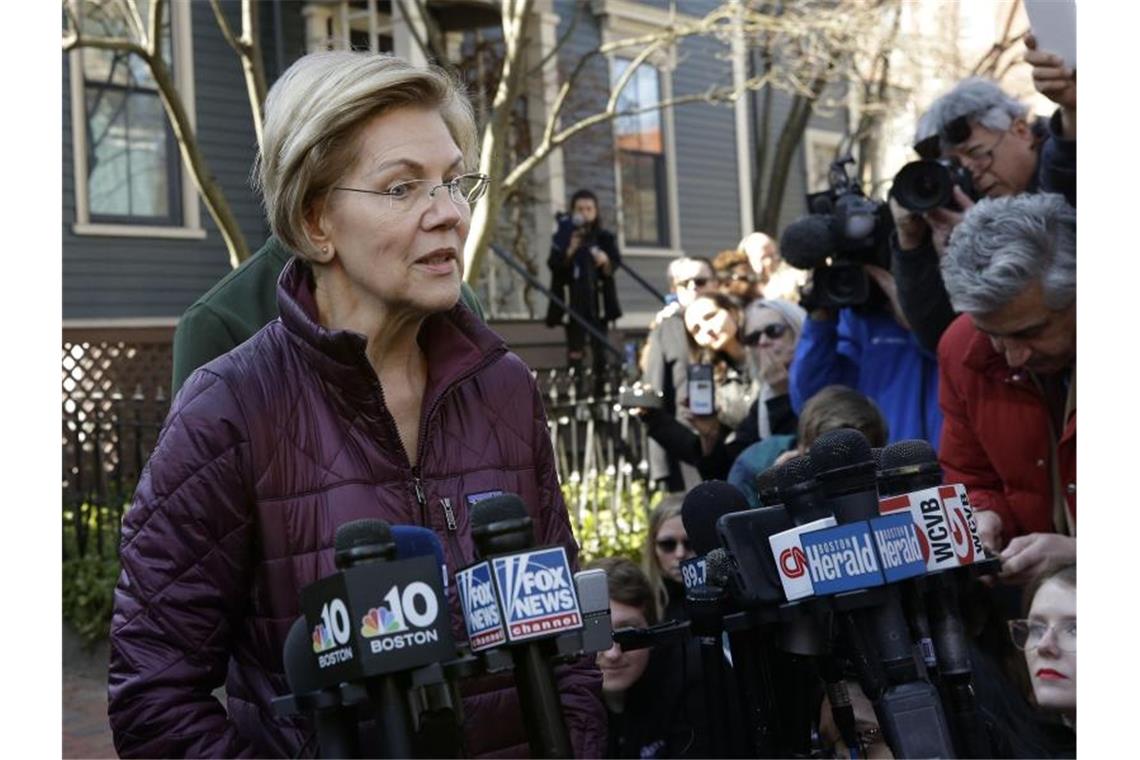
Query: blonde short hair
x=313, y=113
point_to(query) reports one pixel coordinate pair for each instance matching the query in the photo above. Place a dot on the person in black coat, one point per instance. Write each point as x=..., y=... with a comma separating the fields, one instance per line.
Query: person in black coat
x=583, y=259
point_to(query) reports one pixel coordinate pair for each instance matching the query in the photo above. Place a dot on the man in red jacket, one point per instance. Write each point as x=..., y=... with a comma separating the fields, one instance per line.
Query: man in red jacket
x=1007, y=369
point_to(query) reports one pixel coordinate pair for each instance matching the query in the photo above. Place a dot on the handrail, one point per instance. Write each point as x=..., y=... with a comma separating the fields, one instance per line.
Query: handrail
x=533, y=281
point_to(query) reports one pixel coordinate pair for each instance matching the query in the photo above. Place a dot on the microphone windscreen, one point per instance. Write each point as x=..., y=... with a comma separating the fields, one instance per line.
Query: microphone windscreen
x=301, y=671
x=703, y=506
x=907, y=453
x=767, y=487
x=877, y=457
x=840, y=448
x=417, y=541
x=364, y=532
x=807, y=242
x=506, y=506
x=795, y=471
x=718, y=567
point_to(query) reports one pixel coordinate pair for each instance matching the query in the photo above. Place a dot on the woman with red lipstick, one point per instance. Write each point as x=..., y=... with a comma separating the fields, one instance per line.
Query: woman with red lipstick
x=1048, y=636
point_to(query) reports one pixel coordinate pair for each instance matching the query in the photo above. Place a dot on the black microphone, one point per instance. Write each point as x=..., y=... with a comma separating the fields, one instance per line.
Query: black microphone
x=336, y=722
x=767, y=489
x=909, y=710
x=706, y=604
x=808, y=241
x=375, y=621
x=911, y=467
x=537, y=602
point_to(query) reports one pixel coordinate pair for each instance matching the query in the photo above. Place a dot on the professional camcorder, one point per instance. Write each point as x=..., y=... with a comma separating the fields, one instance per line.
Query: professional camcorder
x=928, y=184
x=844, y=231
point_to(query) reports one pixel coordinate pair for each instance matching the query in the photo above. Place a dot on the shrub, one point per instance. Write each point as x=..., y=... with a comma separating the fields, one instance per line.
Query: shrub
x=603, y=528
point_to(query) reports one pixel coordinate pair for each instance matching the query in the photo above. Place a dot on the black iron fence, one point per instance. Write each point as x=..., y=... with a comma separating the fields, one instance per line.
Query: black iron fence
x=600, y=454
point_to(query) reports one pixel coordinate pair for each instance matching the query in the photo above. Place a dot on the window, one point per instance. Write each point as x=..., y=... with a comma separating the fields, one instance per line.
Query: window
x=641, y=158
x=132, y=158
x=128, y=172
x=821, y=147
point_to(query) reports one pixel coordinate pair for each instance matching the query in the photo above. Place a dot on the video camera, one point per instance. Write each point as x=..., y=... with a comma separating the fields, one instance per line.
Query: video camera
x=843, y=231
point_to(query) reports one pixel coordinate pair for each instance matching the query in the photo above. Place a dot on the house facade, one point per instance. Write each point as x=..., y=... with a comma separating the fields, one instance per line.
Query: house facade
x=139, y=246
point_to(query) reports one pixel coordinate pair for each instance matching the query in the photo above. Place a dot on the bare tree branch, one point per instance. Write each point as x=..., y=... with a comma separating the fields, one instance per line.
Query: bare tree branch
x=224, y=25
x=154, y=25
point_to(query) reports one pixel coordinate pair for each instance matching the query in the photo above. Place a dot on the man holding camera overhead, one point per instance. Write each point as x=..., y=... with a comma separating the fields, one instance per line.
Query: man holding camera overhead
x=988, y=135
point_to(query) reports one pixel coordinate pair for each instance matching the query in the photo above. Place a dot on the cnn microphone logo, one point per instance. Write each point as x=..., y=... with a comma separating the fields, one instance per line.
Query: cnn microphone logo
x=793, y=563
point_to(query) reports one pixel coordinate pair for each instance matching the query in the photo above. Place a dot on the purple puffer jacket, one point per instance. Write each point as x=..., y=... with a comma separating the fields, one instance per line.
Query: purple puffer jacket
x=267, y=450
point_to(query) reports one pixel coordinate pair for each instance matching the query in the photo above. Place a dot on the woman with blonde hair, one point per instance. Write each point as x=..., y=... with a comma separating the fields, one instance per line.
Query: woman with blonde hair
x=666, y=546
x=374, y=395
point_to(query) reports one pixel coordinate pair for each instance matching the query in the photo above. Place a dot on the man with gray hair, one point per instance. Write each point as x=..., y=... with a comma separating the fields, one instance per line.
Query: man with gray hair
x=1006, y=151
x=1007, y=377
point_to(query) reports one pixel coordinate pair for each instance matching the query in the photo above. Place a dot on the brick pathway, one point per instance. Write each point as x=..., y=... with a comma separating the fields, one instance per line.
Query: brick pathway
x=86, y=733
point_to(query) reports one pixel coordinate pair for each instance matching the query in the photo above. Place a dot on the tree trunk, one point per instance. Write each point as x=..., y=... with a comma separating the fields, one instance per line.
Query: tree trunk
x=193, y=160
x=790, y=137
x=496, y=137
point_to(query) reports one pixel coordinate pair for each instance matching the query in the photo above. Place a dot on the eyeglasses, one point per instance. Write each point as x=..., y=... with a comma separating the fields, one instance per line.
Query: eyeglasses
x=979, y=159
x=774, y=331
x=699, y=282
x=738, y=277
x=669, y=545
x=404, y=196
x=1027, y=634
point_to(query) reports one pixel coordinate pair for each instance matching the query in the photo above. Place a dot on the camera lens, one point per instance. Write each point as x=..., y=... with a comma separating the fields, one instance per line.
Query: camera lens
x=923, y=186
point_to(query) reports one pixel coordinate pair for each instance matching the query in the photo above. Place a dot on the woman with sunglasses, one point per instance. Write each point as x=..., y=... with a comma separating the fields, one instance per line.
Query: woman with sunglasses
x=771, y=329
x=666, y=547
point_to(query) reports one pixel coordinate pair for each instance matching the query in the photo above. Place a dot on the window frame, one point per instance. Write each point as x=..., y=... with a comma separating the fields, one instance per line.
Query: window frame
x=184, y=194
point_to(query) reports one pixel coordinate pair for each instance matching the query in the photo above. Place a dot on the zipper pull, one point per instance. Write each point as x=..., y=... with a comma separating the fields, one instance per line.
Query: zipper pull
x=419, y=491
x=449, y=513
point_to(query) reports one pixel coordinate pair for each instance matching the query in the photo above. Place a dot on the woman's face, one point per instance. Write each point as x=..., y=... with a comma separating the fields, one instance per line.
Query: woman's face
x=711, y=326
x=764, y=324
x=621, y=669
x=399, y=258
x=671, y=544
x=1052, y=669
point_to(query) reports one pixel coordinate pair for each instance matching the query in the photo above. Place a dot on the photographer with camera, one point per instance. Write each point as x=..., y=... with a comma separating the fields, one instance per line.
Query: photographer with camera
x=987, y=148
x=855, y=334
x=583, y=258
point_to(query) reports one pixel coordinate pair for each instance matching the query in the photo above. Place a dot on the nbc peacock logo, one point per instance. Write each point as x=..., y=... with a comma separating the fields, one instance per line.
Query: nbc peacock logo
x=380, y=621
x=322, y=639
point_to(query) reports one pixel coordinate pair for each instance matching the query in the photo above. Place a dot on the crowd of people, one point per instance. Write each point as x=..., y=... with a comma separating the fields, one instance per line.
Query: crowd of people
x=967, y=342
x=331, y=378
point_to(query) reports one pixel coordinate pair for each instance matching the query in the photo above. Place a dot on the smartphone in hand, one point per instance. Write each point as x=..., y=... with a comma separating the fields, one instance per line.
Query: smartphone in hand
x=701, y=394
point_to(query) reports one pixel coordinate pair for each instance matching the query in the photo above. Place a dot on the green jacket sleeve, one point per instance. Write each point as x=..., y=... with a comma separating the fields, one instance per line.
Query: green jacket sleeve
x=200, y=337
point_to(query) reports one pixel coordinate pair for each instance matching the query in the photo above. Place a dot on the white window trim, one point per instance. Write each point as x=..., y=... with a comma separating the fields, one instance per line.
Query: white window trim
x=182, y=46
x=812, y=136
x=627, y=19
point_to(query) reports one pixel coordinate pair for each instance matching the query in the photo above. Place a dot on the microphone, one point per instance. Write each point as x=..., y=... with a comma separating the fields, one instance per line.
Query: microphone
x=535, y=600
x=374, y=621
x=909, y=711
x=912, y=478
x=336, y=722
x=700, y=510
x=707, y=604
x=807, y=242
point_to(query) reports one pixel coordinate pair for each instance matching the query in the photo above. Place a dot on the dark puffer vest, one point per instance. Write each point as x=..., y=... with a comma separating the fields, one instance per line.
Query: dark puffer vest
x=266, y=450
